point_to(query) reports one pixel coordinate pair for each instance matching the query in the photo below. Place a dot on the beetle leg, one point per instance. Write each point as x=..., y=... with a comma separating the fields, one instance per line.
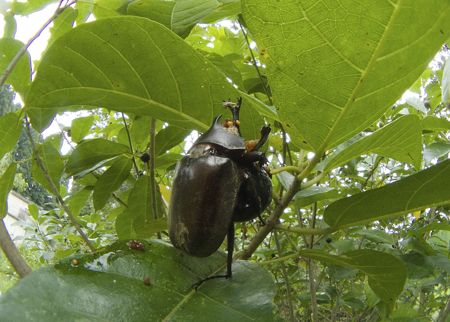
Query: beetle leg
x=265, y=131
x=230, y=248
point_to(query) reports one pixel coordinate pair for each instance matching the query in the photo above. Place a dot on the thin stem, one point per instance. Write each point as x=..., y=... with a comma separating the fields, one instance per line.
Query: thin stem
x=286, y=278
x=266, y=90
x=54, y=189
x=131, y=145
x=444, y=313
x=311, y=272
x=289, y=168
x=372, y=171
x=12, y=64
x=151, y=166
x=302, y=230
x=12, y=253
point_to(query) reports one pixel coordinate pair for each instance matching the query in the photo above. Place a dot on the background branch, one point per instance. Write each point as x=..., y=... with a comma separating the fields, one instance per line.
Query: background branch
x=12, y=253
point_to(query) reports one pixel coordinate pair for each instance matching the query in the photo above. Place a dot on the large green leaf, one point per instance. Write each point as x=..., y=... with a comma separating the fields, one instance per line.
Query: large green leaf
x=133, y=65
x=6, y=184
x=334, y=67
x=427, y=188
x=20, y=77
x=152, y=284
x=400, y=140
x=10, y=128
x=386, y=273
x=111, y=180
x=89, y=153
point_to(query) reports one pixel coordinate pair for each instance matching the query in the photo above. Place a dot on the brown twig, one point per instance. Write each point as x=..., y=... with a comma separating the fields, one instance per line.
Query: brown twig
x=12, y=253
x=131, y=144
x=54, y=189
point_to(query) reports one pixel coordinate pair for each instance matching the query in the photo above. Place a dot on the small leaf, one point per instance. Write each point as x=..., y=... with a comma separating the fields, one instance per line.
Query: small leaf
x=314, y=194
x=435, y=150
x=53, y=164
x=149, y=284
x=434, y=123
x=20, y=77
x=79, y=199
x=168, y=137
x=6, y=184
x=10, y=129
x=446, y=82
x=62, y=24
x=179, y=16
x=80, y=127
x=427, y=188
x=141, y=209
x=33, y=209
x=386, y=273
x=30, y=6
x=417, y=103
x=140, y=132
x=85, y=9
x=400, y=140
x=89, y=153
x=111, y=180
x=10, y=25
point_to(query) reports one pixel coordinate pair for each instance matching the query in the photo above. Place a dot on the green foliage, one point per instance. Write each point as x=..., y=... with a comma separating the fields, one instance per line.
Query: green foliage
x=151, y=284
x=386, y=273
x=6, y=184
x=10, y=129
x=372, y=167
x=425, y=189
x=20, y=78
x=341, y=75
x=132, y=71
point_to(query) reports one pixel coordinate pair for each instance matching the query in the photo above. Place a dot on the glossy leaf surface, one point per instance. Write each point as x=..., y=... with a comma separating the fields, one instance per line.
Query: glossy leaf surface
x=149, y=284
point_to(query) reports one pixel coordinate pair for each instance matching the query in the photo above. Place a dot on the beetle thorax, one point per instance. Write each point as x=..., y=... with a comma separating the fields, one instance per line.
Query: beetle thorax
x=202, y=149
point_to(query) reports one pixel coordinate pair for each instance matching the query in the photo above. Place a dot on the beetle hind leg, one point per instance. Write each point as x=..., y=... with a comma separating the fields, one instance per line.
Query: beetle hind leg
x=230, y=249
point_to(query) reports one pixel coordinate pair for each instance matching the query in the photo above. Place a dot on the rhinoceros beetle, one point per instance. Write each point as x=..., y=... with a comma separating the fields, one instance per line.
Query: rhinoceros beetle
x=221, y=180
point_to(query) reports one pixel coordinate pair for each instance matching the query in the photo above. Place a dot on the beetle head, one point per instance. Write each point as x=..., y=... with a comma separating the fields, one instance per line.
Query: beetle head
x=221, y=136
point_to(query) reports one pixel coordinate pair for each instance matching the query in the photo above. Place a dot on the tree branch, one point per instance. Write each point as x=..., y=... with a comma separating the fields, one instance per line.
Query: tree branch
x=54, y=189
x=12, y=253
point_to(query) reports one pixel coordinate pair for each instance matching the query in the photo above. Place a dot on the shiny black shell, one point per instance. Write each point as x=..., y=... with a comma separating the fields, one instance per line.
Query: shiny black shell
x=202, y=203
x=255, y=194
x=219, y=136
